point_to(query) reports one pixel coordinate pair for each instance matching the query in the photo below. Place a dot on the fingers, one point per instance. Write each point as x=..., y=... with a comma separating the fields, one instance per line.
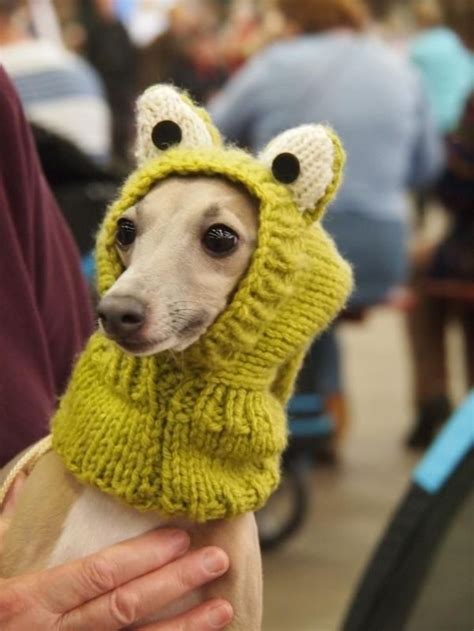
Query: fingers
x=68, y=586
x=148, y=595
x=214, y=614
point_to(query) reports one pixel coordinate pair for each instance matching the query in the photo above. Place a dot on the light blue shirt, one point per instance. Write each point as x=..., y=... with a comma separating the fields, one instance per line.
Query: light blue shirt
x=356, y=84
x=447, y=71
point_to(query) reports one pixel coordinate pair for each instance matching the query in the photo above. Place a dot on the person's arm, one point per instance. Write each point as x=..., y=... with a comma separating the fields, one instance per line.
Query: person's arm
x=236, y=107
x=45, y=314
x=118, y=587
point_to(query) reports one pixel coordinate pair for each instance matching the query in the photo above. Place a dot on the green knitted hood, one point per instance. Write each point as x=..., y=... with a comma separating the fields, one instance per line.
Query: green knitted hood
x=200, y=435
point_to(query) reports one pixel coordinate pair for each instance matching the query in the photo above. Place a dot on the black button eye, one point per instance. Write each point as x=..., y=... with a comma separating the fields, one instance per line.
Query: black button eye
x=126, y=233
x=286, y=168
x=220, y=240
x=166, y=134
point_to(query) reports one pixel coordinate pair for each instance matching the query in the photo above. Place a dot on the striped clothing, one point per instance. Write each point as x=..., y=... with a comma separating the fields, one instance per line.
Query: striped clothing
x=61, y=93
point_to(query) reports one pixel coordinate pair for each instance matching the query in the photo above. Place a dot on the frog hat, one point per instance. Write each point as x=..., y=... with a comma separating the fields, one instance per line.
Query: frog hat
x=201, y=435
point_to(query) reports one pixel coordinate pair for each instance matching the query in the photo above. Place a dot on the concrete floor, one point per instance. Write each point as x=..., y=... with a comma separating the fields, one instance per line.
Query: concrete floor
x=309, y=581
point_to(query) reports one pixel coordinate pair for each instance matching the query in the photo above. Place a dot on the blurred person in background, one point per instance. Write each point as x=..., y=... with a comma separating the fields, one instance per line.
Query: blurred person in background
x=328, y=68
x=444, y=275
x=459, y=15
x=240, y=35
x=144, y=19
x=187, y=54
x=249, y=26
x=444, y=63
x=109, y=49
x=59, y=91
x=381, y=9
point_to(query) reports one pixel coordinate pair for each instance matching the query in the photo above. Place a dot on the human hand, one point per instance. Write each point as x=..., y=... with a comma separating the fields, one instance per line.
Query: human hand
x=117, y=587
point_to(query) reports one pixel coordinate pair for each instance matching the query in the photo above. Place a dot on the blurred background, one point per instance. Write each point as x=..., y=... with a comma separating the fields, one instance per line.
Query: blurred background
x=395, y=79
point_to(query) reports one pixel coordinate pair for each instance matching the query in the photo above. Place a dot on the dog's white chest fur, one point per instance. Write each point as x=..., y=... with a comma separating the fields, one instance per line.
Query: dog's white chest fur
x=96, y=521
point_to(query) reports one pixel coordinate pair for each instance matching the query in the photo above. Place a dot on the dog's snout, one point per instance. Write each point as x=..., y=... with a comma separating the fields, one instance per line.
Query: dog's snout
x=121, y=315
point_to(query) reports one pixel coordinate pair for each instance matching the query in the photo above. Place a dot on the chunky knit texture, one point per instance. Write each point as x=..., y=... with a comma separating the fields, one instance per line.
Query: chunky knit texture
x=200, y=434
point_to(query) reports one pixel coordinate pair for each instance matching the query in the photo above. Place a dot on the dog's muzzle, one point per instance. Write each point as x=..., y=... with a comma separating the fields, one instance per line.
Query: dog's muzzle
x=121, y=316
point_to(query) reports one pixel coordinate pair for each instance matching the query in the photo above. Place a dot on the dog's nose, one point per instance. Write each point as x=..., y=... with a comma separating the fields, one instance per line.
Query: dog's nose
x=121, y=315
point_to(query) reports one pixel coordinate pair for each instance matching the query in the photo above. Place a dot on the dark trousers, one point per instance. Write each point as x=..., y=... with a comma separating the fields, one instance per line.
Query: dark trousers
x=427, y=327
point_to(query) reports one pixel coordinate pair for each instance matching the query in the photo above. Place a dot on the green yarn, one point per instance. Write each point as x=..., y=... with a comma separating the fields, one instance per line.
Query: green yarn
x=200, y=433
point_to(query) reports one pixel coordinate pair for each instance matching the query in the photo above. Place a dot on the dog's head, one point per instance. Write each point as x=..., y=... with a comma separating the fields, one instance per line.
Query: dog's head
x=205, y=237
x=184, y=247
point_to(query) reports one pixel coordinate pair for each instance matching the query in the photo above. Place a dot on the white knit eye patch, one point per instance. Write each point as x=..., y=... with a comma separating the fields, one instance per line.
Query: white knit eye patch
x=164, y=119
x=303, y=159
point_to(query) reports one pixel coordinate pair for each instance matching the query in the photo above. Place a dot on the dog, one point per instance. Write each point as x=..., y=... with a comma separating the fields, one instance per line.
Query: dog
x=214, y=275
x=173, y=288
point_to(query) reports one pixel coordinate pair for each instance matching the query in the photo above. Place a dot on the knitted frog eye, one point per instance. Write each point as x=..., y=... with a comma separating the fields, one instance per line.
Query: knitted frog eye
x=286, y=167
x=165, y=134
x=309, y=160
x=165, y=119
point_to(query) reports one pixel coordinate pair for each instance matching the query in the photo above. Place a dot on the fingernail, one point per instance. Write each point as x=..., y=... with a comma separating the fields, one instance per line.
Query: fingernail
x=180, y=541
x=219, y=616
x=215, y=561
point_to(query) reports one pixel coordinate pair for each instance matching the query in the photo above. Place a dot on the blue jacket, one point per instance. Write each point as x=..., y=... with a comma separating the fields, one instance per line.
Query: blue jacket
x=447, y=71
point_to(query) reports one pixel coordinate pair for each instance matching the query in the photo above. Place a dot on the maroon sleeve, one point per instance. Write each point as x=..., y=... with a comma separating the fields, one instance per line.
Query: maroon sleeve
x=45, y=311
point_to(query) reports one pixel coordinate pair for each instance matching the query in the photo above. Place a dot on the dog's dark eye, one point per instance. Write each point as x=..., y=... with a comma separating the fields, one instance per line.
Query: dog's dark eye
x=125, y=233
x=220, y=240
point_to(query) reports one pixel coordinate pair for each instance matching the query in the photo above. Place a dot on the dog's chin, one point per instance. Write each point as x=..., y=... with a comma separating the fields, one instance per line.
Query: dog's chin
x=146, y=348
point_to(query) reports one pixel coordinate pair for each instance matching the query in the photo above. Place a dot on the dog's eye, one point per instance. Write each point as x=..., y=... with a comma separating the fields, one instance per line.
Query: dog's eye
x=220, y=240
x=125, y=233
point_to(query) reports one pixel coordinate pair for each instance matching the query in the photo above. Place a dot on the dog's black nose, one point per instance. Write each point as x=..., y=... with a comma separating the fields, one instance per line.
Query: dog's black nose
x=121, y=315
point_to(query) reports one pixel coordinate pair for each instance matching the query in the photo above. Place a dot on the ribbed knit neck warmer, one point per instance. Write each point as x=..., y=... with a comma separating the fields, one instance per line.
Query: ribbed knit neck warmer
x=199, y=434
